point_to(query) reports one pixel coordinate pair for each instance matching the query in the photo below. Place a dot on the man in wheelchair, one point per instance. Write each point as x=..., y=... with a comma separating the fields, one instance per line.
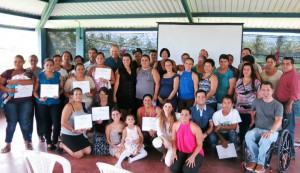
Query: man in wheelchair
x=267, y=115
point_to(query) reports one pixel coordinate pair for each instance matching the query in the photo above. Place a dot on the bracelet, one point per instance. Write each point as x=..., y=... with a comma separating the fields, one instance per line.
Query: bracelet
x=272, y=131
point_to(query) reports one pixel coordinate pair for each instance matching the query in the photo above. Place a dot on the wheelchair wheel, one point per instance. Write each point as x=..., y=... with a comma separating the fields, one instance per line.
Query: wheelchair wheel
x=246, y=153
x=284, y=151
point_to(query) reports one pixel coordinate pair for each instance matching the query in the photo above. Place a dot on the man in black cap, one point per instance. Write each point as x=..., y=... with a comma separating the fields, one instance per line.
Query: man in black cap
x=137, y=53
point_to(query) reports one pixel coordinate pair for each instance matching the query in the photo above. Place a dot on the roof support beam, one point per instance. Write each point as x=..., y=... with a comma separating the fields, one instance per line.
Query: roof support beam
x=174, y=15
x=85, y=1
x=187, y=10
x=118, y=16
x=46, y=13
x=249, y=15
x=19, y=14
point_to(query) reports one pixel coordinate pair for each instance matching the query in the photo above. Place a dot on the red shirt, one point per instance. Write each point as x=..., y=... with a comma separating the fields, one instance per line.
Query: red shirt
x=288, y=86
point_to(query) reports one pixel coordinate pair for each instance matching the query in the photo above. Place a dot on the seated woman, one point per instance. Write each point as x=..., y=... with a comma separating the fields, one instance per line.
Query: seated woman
x=164, y=123
x=187, y=144
x=114, y=132
x=100, y=145
x=148, y=110
x=73, y=141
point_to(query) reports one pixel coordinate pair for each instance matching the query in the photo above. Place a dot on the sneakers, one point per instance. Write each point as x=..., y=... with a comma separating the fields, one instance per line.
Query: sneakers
x=251, y=166
x=260, y=168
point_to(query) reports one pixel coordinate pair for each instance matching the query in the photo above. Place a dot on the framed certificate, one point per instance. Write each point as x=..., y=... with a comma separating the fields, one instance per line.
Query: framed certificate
x=23, y=91
x=148, y=123
x=49, y=90
x=103, y=72
x=100, y=113
x=84, y=85
x=83, y=121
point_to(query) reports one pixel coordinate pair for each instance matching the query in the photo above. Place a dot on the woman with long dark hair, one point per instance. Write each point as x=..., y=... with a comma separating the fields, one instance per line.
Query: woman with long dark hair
x=246, y=90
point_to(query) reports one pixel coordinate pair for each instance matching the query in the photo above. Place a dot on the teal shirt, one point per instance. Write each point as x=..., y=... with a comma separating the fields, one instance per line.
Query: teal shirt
x=223, y=84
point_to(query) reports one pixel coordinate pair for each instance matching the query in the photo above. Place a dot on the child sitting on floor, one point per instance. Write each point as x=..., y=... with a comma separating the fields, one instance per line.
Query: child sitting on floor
x=132, y=142
x=7, y=96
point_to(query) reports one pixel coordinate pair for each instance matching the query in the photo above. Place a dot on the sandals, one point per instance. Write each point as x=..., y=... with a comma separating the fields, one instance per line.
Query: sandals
x=6, y=149
x=28, y=146
x=50, y=147
x=59, y=150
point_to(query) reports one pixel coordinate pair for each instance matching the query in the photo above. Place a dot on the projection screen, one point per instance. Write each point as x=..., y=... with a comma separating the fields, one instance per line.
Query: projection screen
x=217, y=39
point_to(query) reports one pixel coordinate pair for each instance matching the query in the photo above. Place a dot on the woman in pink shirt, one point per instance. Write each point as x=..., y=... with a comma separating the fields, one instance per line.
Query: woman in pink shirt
x=187, y=144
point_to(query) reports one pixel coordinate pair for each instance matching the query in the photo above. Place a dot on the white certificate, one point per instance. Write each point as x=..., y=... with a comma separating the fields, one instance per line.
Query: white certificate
x=226, y=152
x=49, y=90
x=83, y=121
x=84, y=85
x=103, y=72
x=100, y=113
x=23, y=91
x=148, y=123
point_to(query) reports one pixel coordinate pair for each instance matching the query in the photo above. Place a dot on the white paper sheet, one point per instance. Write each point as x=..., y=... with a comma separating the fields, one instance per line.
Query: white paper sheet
x=228, y=152
x=49, y=90
x=148, y=123
x=100, y=113
x=84, y=85
x=83, y=121
x=103, y=72
x=23, y=91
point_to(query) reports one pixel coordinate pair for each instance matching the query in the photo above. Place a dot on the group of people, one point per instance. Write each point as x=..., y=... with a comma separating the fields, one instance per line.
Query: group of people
x=212, y=102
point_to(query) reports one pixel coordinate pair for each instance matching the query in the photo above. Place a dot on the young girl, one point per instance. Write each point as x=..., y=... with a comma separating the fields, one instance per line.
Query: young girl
x=114, y=132
x=132, y=142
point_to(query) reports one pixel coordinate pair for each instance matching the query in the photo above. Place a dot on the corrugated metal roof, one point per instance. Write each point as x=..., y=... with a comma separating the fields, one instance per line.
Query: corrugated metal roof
x=262, y=23
x=118, y=7
x=35, y=7
x=112, y=23
x=145, y=13
x=262, y=6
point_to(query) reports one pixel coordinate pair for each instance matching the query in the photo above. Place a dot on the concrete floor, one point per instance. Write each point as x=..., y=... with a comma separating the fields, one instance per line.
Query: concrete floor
x=13, y=162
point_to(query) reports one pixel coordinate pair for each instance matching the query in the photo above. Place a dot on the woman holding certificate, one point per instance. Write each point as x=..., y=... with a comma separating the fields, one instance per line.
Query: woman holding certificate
x=164, y=123
x=73, y=141
x=17, y=110
x=82, y=81
x=124, y=89
x=47, y=89
x=99, y=73
x=148, y=110
x=100, y=145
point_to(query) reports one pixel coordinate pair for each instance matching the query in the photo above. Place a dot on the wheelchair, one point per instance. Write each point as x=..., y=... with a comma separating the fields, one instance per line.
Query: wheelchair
x=282, y=148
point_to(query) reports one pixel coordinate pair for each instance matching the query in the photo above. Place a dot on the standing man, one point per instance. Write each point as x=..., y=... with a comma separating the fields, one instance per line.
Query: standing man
x=226, y=80
x=288, y=93
x=114, y=61
x=153, y=56
x=92, y=56
x=203, y=52
x=266, y=113
x=137, y=54
x=202, y=116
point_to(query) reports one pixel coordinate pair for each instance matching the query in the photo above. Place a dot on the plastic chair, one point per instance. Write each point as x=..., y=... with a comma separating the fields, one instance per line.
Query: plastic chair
x=107, y=168
x=41, y=162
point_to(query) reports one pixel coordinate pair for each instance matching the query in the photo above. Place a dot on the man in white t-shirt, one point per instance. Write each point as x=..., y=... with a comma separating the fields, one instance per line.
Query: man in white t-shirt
x=226, y=121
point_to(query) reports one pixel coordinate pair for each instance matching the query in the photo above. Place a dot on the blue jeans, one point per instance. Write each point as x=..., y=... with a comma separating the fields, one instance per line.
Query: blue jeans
x=291, y=121
x=259, y=146
x=231, y=136
x=18, y=113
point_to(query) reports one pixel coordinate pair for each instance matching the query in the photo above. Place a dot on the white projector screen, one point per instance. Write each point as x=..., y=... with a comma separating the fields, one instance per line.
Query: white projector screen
x=217, y=39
